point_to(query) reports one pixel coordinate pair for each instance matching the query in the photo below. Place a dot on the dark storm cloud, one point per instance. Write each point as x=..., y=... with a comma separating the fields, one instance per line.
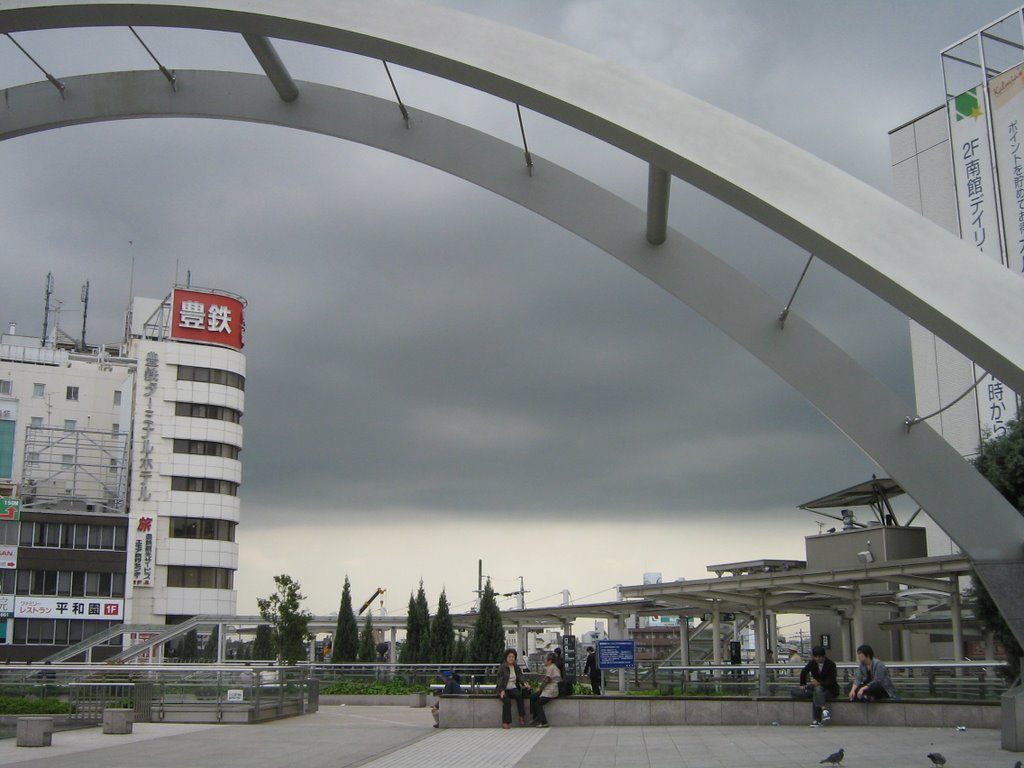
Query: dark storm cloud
x=415, y=344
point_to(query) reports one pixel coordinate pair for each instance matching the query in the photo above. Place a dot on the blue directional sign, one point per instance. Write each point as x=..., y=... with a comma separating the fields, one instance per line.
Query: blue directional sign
x=616, y=654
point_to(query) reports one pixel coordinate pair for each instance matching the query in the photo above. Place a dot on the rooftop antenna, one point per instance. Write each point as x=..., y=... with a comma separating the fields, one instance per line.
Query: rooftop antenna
x=131, y=291
x=46, y=313
x=85, y=310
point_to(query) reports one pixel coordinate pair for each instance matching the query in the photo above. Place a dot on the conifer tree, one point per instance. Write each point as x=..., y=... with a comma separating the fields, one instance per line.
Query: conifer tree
x=488, y=640
x=189, y=648
x=442, y=633
x=417, y=630
x=367, y=648
x=210, y=649
x=346, y=634
x=263, y=644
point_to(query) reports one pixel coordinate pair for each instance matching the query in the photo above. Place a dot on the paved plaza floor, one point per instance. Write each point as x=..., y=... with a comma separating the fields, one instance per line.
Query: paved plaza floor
x=400, y=737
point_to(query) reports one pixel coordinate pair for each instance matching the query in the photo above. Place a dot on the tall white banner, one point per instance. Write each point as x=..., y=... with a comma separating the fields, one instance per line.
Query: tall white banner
x=1006, y=95
x=979, y=224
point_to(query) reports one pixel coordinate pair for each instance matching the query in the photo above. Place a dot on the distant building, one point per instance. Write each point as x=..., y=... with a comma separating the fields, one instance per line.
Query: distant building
x=961, y=166
x=122, y=466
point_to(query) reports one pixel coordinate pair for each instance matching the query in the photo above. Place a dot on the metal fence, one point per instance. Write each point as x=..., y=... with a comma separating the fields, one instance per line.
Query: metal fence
x=154, y=690
x=969, y=680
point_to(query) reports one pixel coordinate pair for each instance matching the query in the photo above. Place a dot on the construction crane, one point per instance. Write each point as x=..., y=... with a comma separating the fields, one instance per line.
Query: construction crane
x=380, y=591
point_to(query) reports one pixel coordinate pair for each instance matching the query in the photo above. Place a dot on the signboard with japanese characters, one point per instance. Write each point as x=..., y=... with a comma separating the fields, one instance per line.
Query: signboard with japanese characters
x=10, y=509
x=977, y=205
x=143, y=552
x=211, y=318
x=1006, y=95
x=6, y=606
x=616, y=654
x=8, y=557
x=94, y=608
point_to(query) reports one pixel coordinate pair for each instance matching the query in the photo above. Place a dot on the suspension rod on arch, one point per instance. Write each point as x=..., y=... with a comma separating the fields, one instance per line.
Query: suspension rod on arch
x=163, y=70
x=56, y=83
x=659, y=185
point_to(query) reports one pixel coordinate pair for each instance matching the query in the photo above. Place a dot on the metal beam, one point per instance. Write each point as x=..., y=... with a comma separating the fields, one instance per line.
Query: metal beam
x=659, y=185
x=266, y=55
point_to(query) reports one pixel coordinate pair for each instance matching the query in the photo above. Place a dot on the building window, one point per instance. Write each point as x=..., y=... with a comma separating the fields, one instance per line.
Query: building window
x=67, y=459
x=206, y=448
x=117, y=397
x=202, y=411
x=36, y=422
x=32, y=457
x=38, y=390
x=204, y=485
x=74, y=536
x=211, y=375
x=70, y=584
x=6, y=386
x=70, y=425
x=60, y=631
x=202, y=528
x=72, y=393
x=196, y=577
x=9, y=534
x=115, y=428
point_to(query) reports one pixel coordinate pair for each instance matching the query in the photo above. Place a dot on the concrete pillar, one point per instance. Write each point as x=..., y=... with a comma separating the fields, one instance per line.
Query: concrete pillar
x=716, y=632
x=393, y=646
x=524, y=652
x=858, y=619
x=684, y=641
x=773, y=635
x=990, y=647
x=958, y=627
x=620, y=632
x=760, y=649
x=906, y=639
x=844, y=637
x=222, y=644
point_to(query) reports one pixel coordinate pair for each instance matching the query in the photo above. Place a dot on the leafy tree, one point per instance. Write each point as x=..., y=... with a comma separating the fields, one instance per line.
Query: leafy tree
x=367, y=648
x=417, y=629
x=281, y=610
x=210, y=649
x=1001, y=460
x=442, y=633
x=189, y=648
x=488, y=639
x=263, y=643
x=346, y=634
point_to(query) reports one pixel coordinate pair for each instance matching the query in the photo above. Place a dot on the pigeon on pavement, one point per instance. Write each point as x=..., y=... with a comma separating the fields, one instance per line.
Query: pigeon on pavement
x=836, y=758
x=937, y=758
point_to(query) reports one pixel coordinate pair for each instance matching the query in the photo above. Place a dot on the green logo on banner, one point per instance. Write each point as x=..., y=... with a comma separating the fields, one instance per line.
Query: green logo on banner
x=10, y=509
x=967, y=105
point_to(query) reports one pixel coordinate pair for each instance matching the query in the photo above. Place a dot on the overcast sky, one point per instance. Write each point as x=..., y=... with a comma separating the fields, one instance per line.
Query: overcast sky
x=436, y=376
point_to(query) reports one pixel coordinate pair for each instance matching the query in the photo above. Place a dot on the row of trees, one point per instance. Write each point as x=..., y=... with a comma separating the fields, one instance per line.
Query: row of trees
x=427, y=640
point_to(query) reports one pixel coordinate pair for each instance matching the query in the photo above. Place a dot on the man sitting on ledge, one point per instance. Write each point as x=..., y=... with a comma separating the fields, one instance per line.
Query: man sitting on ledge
x=872, y=681
x=819, y=683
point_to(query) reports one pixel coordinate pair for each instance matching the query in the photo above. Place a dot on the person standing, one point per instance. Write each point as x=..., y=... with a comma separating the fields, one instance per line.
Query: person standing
x=872, y=680
x=510, y=685
x=818, y=682
x=591, y=669
x=548, y=690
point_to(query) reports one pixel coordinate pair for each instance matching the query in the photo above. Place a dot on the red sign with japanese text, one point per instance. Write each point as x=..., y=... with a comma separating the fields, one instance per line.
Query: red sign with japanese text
x=211, y=318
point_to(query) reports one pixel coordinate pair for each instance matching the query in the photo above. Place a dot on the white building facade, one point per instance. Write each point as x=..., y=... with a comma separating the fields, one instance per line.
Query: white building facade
x=962, y=166
x=138, y=444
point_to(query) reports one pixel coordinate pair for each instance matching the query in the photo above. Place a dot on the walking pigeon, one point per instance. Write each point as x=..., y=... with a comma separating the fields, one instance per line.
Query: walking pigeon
x=937, y=759
x=836, y=758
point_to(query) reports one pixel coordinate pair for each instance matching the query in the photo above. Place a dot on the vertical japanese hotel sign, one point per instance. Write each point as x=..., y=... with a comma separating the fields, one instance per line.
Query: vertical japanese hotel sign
x=210, y=318
x=144, y=553
x=976, y=201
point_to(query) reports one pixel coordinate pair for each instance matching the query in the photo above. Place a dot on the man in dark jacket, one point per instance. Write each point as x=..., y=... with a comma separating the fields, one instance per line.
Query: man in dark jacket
x=819, y=683
x=591, y=669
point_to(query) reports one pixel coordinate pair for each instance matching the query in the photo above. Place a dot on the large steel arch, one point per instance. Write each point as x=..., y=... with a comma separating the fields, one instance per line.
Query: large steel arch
x=908, y=262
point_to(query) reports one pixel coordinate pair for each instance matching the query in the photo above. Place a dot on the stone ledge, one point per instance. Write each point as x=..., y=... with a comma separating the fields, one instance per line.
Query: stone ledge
x=469, y=711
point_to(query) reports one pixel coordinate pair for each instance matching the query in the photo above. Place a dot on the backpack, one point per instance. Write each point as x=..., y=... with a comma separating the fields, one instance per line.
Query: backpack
x=564, y=688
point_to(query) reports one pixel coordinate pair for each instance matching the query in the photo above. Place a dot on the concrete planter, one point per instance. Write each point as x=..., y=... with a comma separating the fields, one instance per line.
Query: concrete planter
x=401, y=700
